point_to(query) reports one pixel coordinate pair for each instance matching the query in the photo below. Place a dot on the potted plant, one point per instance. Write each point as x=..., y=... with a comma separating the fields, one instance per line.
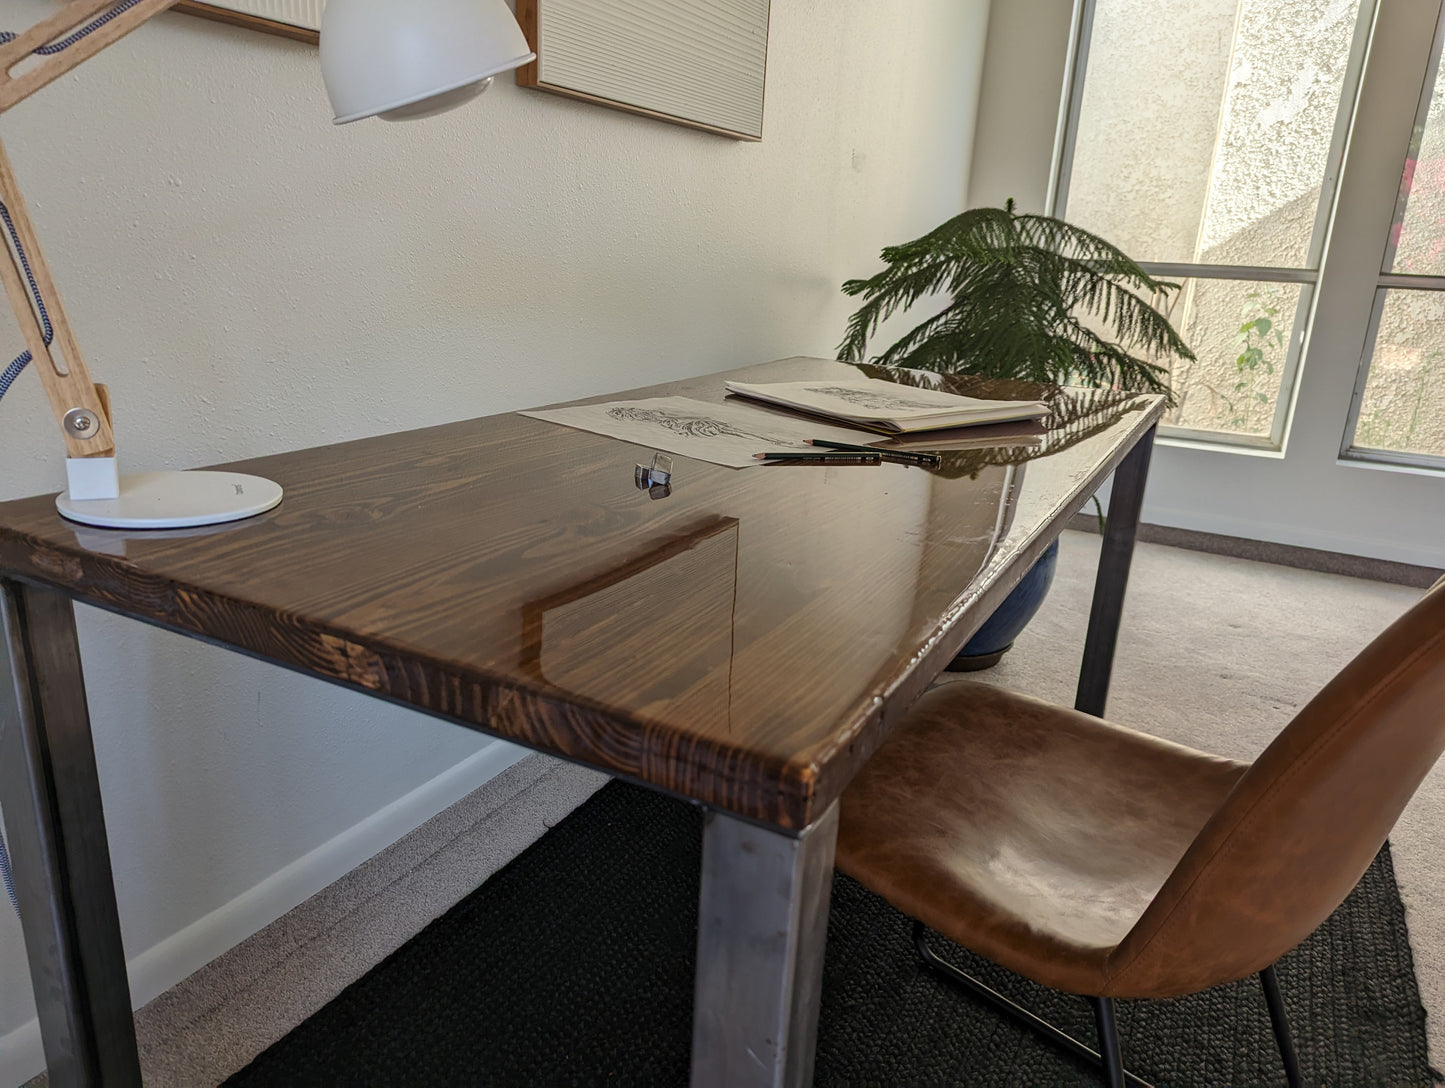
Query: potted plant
x=1032, y=298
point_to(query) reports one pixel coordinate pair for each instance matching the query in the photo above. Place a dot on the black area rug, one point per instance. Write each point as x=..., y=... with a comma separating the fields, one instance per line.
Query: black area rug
x=573, y=966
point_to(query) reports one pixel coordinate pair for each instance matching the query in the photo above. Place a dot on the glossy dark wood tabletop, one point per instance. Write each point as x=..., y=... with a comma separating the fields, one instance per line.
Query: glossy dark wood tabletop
x=745, y=641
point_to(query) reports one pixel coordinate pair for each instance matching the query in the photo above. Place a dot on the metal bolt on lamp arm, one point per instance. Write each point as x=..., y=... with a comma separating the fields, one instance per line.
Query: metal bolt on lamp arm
x=399, y=60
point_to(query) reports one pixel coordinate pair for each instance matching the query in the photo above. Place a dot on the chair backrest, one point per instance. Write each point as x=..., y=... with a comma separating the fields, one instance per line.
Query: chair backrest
x=1302, y=824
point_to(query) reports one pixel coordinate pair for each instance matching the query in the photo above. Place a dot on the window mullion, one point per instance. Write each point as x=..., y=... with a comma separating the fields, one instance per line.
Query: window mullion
x=1265, y=273
x=1400, y=53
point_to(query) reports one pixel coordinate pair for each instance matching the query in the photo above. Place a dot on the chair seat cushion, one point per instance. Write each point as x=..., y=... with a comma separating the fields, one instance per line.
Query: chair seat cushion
x=1032, y=834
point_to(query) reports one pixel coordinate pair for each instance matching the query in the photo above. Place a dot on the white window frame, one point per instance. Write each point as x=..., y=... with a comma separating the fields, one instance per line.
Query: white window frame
x=1396, y=281
x=1308, y=494
x=1308, y=277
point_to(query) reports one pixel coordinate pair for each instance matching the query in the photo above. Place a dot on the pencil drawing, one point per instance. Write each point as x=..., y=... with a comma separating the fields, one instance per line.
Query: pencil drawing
x=873, y=401
x=690, y=426
x=724, y=434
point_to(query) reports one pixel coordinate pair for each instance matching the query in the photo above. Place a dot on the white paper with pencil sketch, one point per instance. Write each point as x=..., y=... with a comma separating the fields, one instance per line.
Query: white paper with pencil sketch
x=887, y=407
x=724, y=434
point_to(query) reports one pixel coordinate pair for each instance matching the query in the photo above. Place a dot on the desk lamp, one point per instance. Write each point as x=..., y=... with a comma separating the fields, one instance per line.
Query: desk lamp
x=397, y=59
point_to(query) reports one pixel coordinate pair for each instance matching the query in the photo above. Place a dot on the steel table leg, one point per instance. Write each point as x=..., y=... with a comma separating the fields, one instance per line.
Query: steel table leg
x=1125, y=504
x=56, y=831
x=762, y=924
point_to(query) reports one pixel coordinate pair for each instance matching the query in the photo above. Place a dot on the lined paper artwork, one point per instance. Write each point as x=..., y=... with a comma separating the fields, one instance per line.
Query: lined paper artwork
x=694, y=62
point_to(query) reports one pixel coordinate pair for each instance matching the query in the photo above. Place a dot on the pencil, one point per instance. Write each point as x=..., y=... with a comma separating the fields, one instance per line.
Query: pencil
x=909, y=457
x=873, y=457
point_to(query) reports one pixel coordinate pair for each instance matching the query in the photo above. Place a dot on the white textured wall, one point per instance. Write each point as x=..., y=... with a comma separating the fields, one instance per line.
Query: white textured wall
x=250, y=280
x=1023, y=82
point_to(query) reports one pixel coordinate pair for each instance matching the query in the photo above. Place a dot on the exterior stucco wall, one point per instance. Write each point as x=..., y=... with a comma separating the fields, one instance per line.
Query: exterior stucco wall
x=1205, y=137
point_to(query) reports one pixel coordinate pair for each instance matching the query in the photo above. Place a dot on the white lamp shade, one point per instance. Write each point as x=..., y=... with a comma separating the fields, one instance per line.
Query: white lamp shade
x=403, y=59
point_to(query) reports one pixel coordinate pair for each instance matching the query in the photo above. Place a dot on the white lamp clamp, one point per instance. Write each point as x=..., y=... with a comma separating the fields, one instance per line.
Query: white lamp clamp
x=398, y=59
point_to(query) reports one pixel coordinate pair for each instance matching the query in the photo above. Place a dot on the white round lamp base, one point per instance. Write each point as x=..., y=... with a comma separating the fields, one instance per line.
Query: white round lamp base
x=175, y=500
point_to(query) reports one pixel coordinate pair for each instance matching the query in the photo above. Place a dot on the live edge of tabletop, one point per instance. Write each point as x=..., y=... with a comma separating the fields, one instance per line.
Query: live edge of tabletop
x=745, y=642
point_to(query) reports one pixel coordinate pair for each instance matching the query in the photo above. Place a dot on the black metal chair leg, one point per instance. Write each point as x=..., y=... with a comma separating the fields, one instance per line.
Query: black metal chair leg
x=1029, y=1020
x=1277, y=1017
x=1109, y=1041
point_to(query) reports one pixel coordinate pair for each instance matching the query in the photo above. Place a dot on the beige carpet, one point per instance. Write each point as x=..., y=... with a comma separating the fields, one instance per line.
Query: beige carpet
x=1215, y=652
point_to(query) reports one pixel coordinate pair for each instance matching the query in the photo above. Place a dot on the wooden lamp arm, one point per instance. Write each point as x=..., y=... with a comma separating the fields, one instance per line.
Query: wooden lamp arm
x=73, y=15
x=81, y=407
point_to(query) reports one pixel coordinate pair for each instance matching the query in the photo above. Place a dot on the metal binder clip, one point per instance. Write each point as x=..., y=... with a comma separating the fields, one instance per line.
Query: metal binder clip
x=656, y=480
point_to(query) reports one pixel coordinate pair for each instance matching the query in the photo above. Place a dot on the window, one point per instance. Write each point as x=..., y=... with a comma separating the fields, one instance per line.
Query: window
x=1205, y=139
x=1285, y=162
x=1399, y=410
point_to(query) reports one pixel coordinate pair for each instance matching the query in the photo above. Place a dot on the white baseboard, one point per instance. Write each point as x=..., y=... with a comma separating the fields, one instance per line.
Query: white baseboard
x=20, y=1055
x=160, y=967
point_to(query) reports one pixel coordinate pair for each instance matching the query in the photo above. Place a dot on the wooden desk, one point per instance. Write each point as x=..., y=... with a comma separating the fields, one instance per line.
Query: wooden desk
x=745, y=642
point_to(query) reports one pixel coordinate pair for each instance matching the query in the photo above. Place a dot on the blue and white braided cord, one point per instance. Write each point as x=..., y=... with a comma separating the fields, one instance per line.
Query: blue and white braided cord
x=14, y=370
x=50, y=49
x=6, y=876
x=21, y=361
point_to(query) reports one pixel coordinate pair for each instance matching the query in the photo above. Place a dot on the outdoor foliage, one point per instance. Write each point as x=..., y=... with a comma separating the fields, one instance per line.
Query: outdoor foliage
x=1260, y=340
x=1022, y=287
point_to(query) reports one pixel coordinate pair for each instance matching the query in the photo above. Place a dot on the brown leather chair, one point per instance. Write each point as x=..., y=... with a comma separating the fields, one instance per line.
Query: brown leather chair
x=1105, y=862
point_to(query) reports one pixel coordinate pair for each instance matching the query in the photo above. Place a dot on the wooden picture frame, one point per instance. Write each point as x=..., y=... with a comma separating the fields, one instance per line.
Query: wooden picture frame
x=689, y=62
x=299, y=20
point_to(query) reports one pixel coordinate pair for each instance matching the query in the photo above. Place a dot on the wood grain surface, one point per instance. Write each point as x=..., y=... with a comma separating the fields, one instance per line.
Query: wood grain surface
x=506, y=574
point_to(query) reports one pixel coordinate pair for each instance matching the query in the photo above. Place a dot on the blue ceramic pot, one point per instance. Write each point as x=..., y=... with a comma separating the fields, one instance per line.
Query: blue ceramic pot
x=996, y=637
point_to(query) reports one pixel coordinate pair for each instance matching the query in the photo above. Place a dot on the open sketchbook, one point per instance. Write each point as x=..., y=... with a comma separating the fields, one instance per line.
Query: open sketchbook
x=725, y=434
x=1024, y=434
x=885, y=407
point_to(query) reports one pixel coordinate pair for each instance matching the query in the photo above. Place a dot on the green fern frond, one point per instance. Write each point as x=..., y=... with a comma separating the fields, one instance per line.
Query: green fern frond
x=1020, y=286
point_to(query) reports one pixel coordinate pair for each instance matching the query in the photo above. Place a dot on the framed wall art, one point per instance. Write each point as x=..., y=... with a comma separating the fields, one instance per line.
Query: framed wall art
x=298, y=19
x=700, y=63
